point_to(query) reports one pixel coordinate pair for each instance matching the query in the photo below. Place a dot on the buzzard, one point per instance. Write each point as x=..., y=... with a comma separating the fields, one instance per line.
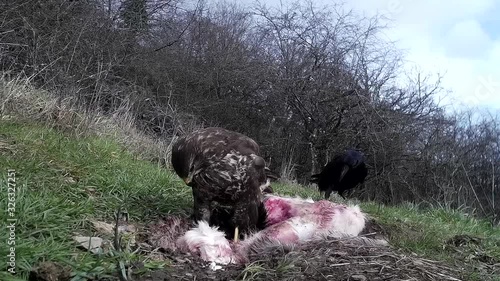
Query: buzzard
x=344, y=172
x=227, y=177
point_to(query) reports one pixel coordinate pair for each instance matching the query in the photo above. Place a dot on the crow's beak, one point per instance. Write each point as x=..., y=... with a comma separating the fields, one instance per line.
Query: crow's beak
x=187, y=180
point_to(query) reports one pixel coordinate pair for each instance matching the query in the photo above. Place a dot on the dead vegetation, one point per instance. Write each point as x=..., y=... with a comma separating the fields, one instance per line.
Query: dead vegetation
x=21, y=101
x=357, y=259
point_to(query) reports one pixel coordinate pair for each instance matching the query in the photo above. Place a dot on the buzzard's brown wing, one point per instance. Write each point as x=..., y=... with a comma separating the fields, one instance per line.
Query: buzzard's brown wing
x=229, y=176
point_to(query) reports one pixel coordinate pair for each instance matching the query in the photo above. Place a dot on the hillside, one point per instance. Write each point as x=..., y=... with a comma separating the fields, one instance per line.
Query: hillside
x=93, y=95
x=65, y=183
x=305, y=79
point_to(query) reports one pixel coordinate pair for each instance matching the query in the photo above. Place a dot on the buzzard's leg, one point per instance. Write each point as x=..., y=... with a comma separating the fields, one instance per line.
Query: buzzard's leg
x=327, y=193
x=202, y=211
x=196, y=208
x=201, y=208
x=245, y=218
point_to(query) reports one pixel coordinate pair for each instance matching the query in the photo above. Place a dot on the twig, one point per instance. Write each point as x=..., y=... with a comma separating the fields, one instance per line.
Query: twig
x=120, y=266
x=473, y=190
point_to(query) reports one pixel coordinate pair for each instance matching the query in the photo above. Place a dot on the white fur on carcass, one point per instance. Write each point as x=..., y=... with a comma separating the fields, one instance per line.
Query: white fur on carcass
x=208, y=242
x=291, y=221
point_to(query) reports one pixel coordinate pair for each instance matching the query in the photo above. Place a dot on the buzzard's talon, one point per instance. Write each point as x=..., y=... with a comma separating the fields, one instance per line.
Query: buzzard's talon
x=236, y=234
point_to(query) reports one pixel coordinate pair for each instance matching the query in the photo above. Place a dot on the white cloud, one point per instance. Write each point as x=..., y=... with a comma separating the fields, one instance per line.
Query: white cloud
x=444, y=36
x=467, y=39
x=424, y=13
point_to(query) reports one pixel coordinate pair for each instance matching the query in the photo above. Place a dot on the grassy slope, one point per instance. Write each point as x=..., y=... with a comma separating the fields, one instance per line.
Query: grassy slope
x=50, y=207
x=63, y=181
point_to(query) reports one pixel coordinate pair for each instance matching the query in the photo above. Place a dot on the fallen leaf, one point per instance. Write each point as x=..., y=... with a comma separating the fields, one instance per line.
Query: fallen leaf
x=92, y=244
x=104, y=227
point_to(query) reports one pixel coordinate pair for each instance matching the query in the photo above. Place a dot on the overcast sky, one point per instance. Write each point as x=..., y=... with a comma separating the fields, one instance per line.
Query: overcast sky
x=459, y=38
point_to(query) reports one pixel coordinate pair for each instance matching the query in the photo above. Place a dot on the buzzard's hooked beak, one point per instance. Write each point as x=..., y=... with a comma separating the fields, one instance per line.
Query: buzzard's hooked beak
x=236, y=234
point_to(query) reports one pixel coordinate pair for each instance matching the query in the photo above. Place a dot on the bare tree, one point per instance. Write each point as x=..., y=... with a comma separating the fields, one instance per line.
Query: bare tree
x=306, y=82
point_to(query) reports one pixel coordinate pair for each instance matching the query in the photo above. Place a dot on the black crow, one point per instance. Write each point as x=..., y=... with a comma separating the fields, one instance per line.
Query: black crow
x=344, y=172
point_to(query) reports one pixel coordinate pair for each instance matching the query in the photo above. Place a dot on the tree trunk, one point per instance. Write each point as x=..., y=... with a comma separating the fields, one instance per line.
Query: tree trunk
x=318, y=154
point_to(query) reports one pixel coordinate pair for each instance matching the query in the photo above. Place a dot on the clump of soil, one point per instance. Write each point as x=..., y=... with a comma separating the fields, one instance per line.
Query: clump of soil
x=50, y=271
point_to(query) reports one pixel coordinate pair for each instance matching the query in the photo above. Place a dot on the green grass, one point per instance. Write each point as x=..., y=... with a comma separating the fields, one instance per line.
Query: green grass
x=426, y=231
x=63, y=181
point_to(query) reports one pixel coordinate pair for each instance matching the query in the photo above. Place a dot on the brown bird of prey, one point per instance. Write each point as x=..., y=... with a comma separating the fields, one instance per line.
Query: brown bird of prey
x=227, y=177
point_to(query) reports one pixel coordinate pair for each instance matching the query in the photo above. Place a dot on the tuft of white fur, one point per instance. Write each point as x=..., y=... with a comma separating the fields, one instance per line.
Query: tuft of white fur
x=210, y=243
x=303, y=228
x=349, y=223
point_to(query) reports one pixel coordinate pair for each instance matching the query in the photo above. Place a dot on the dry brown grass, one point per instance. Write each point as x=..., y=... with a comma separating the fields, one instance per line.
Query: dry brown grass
x=20, y=101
